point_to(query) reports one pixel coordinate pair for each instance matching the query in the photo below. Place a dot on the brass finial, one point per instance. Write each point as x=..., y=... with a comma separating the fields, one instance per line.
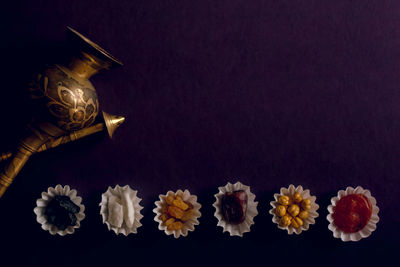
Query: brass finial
x=112, y=122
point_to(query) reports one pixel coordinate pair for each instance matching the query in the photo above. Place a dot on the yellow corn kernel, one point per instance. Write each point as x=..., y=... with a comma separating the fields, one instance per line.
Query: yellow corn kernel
x=285, y=220
x=297, y=197
x=280, y=210
x=169, y=199
x=303, y=215
x=306, y=204
x=297, y=222
x=178, y=202
x=284, y=200
x=294, y=210
x=169, y=221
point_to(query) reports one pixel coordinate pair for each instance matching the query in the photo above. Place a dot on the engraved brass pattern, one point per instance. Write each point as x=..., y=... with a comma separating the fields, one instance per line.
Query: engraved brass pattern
x=72, y=105
x=66, y=105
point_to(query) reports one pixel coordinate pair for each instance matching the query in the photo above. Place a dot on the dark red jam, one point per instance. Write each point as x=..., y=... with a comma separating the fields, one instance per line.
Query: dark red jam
x=352, y=213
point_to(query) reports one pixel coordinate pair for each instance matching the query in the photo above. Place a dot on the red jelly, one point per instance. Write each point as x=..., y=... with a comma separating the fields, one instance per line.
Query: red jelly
x=352, y=213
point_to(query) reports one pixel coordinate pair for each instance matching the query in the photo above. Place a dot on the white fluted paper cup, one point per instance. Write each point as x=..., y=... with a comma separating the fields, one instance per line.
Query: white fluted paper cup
x=313, y=214
x=117, y=192
x=189, y=224
x=368, y=228
x=251, y=211
x=42, y=203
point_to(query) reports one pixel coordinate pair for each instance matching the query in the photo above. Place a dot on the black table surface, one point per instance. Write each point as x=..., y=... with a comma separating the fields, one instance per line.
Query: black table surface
x=269, y=93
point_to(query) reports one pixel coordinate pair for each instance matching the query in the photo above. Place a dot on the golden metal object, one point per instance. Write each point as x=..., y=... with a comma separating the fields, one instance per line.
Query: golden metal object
x=67, y=105
x=112, y=122
x=63, y=139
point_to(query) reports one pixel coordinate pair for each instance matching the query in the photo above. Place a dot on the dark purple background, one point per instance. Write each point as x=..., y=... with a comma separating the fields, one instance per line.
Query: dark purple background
x=265, y=92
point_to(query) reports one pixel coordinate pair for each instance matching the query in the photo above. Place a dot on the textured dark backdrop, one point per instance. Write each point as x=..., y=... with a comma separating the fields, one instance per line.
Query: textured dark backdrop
x=265, y=92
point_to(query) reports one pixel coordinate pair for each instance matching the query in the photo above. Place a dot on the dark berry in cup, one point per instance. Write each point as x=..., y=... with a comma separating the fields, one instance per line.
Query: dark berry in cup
x=234, y=206
x=61, y=212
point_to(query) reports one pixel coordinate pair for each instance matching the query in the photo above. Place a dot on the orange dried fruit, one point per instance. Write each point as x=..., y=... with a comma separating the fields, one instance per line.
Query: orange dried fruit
x=169, y=221
x=175, y=226
x=175, y=212
x=178, y=202
x=188, y=214
x=169, y=199
x=164, y=217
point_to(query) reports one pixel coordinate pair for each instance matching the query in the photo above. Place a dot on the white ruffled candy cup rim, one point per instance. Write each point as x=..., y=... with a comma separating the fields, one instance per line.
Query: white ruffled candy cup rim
x=117, y=191
x=251, y=211
x=313, y=214
x=42, y=203
x=368, y=228
x=189, y=224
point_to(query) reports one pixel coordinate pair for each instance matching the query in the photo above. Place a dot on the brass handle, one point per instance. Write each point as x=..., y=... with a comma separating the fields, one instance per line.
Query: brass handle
x=34, y=144
x=38, y=143
x=61, y=140
x=27, y=147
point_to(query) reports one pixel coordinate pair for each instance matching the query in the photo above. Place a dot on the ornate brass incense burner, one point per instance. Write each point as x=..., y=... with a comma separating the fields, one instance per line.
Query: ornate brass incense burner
x=66, y=105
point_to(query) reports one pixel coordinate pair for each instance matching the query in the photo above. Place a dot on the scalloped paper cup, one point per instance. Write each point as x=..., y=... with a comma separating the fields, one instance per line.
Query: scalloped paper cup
x=117, y=191
x=367, y=230
x=313, y=214
x=41, y=203
x=251, y=212
x=189, y=224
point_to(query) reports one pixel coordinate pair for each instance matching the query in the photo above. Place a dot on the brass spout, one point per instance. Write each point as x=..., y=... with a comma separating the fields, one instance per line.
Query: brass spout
x=112, y=122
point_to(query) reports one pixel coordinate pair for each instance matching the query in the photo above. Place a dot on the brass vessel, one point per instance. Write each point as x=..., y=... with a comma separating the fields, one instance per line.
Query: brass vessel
x=66, y=105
